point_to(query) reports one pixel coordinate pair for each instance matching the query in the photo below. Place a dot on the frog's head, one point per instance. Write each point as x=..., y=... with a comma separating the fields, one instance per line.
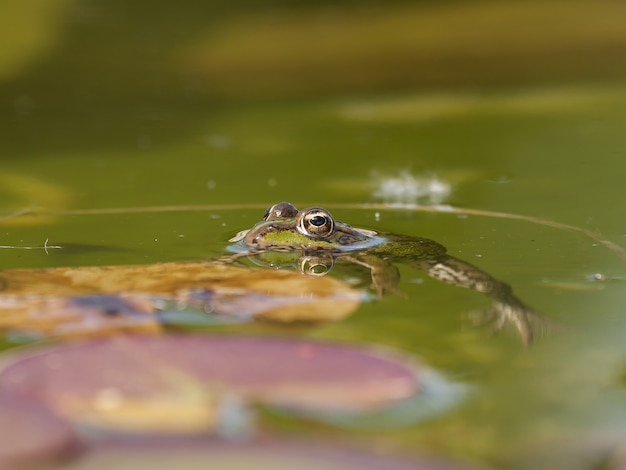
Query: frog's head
x=285, y=228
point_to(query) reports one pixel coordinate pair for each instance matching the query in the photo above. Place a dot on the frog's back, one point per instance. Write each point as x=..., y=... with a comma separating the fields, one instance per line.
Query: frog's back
x=404, y=248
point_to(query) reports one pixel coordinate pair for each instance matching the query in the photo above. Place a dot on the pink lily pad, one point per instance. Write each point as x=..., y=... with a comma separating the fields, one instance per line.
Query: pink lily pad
x=177, y=383
x=277, y=455
x=31, y=435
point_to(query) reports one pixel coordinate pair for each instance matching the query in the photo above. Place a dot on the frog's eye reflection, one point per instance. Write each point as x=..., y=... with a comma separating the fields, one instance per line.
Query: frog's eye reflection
x=316, y=223
x=316, y=265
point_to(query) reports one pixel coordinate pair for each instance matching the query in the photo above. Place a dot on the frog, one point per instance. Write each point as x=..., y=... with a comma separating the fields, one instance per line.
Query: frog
x=313, y=241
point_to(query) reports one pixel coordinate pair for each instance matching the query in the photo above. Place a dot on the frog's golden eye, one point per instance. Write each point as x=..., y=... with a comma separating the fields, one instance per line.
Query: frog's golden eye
x=280, y=210
x=316, y=223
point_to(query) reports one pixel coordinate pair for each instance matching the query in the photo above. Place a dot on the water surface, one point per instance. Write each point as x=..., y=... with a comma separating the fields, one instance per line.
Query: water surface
x=96, y=120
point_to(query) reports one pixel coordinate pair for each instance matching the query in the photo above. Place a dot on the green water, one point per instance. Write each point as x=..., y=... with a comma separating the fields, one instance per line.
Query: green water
x=102, y=109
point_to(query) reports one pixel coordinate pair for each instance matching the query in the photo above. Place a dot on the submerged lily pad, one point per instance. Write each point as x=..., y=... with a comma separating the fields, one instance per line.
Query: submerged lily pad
x=187, y=383
x=43, y=316
x=101, y=300
x=30, y=434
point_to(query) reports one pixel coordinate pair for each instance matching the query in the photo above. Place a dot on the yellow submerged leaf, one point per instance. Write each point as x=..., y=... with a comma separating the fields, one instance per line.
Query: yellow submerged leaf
x=103, y=300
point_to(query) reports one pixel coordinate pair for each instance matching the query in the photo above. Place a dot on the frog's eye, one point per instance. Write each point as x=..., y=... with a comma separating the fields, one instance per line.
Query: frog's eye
x=280, y=210
x=316, y=223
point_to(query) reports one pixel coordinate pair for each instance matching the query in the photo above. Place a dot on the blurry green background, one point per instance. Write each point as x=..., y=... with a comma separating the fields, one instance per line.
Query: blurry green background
x=151, y=103
x=520, y=105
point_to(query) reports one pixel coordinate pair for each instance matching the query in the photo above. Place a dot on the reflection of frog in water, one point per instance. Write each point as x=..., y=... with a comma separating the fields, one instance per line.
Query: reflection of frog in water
x=318, y=241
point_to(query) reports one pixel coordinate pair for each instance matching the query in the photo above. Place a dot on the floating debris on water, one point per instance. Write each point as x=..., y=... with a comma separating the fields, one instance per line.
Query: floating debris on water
x=590, y=282
x=409, y=189
x=45, y=247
